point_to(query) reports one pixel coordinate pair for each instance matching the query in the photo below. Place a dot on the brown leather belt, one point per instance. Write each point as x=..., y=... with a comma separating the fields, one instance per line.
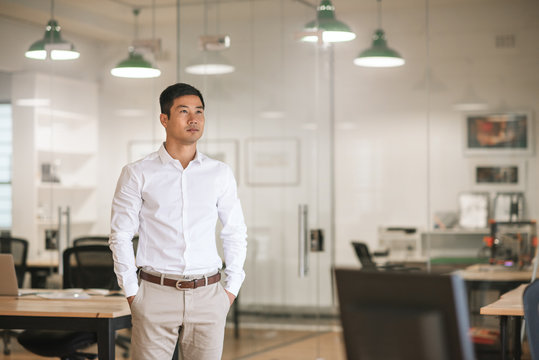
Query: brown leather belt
x=181, y=284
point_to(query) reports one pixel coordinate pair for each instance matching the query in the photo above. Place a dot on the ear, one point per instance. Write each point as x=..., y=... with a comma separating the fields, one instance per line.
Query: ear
x=163, y=118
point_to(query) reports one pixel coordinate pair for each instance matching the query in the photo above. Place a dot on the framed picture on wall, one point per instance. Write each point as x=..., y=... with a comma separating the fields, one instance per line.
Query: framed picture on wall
x=498, y=133
x=498, y=175
x=225, y=150
x=272, y=161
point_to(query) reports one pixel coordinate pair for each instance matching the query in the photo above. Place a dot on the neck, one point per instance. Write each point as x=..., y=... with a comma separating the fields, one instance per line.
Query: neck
x=182, y=152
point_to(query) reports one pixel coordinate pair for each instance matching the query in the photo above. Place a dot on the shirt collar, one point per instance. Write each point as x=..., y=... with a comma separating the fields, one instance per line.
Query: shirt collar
x=199, y=157
x=164, y=155
x=166, y=158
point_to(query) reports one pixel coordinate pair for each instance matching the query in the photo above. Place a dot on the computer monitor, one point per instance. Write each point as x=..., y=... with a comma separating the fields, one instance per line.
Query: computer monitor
x=403, y=316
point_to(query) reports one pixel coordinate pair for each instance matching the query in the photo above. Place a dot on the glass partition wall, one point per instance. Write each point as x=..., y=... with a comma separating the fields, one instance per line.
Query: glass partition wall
x=412, y=160
x=270, y=119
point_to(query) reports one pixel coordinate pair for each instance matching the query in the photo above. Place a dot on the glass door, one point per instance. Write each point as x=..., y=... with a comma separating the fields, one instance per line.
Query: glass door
x=271, y=121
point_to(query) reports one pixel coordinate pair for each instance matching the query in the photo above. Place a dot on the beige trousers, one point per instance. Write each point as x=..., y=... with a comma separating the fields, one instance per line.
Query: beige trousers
x=161, y=313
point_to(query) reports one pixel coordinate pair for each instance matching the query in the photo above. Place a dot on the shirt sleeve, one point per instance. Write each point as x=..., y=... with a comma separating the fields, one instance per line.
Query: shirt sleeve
x=126, y=206
x=233, y=233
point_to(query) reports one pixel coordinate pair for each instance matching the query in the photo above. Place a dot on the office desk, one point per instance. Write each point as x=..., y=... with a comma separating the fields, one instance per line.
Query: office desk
x=493, y=277
x=508, y=305
x=102, y=314
x=494, y=273
x=506, y=281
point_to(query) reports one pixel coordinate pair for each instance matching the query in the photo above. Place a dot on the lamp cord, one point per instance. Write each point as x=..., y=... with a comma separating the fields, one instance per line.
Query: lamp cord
x=178, y=68
x=136, y=11
x=379, y=13
x=153, y=20
x=218, y=16
x=52, y=9
x=205, y=17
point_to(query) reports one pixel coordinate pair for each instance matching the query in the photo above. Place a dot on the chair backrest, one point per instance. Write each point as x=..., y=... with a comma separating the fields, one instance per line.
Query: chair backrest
x=19, y=249
x=403, y=315
x=100, y=240
x=89, y=266
x=91, y=240
x=530, y=299
x=365, y=258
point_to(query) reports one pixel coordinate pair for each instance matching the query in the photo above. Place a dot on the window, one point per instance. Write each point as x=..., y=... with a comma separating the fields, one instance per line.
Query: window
x=6, y=135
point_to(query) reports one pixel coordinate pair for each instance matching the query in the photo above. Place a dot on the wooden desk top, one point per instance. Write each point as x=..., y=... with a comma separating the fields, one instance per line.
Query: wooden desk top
x=485, y=272
x=509, y=304
x=97, y=306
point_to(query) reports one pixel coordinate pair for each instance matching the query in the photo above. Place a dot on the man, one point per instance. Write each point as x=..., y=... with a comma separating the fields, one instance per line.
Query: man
x=173, y=198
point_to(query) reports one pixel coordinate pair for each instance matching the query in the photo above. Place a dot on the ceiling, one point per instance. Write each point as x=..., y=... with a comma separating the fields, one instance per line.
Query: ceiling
x=96, y=19
x=113, y=20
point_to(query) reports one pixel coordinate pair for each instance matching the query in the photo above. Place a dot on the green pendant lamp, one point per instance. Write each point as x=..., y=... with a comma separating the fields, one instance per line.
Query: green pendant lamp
x=52, y=45
x=379, y=54
x=331, y=29
x=135, y=66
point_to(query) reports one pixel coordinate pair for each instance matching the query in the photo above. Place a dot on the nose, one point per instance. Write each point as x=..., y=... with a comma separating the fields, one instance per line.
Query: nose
x=192, y=120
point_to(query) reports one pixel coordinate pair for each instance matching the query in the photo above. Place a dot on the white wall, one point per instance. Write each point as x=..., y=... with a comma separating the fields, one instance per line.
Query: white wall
x=384, y=176
x=398, y=149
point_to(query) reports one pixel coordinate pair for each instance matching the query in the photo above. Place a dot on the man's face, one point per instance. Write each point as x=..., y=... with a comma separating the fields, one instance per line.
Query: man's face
x=185, y=124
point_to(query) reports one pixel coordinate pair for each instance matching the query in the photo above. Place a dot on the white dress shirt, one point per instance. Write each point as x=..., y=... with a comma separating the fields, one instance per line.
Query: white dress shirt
x=175, y=212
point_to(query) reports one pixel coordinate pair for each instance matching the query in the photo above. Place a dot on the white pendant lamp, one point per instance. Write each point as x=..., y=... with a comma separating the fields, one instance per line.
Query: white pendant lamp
x=470, y=101
x=210, y=60
x=210, y=63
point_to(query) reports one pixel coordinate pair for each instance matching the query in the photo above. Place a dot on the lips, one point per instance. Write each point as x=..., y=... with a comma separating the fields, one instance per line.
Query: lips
x=192, y=130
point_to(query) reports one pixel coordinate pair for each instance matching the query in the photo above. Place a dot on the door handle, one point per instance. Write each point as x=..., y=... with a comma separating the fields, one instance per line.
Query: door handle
x=303, y=240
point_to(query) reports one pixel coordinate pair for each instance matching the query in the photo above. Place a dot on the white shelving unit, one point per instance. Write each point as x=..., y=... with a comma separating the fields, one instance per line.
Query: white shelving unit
x=453, y=242
x=62, y=134
x=414, y=244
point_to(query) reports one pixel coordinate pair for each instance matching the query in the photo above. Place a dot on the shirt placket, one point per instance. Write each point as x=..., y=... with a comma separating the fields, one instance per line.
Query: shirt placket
x=185, y=204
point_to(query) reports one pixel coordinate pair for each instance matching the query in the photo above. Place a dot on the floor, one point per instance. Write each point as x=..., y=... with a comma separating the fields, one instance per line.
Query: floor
x=254, y=344
x=272, y=340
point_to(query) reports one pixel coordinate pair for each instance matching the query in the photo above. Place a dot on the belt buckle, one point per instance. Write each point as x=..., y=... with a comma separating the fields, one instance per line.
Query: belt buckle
x=179, y=285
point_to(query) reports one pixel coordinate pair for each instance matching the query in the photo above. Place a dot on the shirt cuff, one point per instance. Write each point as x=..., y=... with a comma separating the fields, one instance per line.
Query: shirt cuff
x=233, y=285
x=131, y=289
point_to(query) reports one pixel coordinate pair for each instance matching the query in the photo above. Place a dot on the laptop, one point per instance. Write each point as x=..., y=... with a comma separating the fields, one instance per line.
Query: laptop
x=8, y=280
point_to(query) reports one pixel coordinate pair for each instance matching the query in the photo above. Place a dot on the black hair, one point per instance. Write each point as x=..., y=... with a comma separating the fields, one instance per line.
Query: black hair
x=166, y=99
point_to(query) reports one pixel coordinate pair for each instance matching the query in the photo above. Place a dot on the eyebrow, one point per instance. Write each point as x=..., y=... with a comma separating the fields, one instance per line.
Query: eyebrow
x=185, y=106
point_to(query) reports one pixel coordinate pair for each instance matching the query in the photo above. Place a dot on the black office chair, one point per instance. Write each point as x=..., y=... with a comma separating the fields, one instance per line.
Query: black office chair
x=19, y=249
x=530, y=299
x=121, y=340
x=91, y=240
x=88, y=266
x=99, y=240
x=367, y=263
